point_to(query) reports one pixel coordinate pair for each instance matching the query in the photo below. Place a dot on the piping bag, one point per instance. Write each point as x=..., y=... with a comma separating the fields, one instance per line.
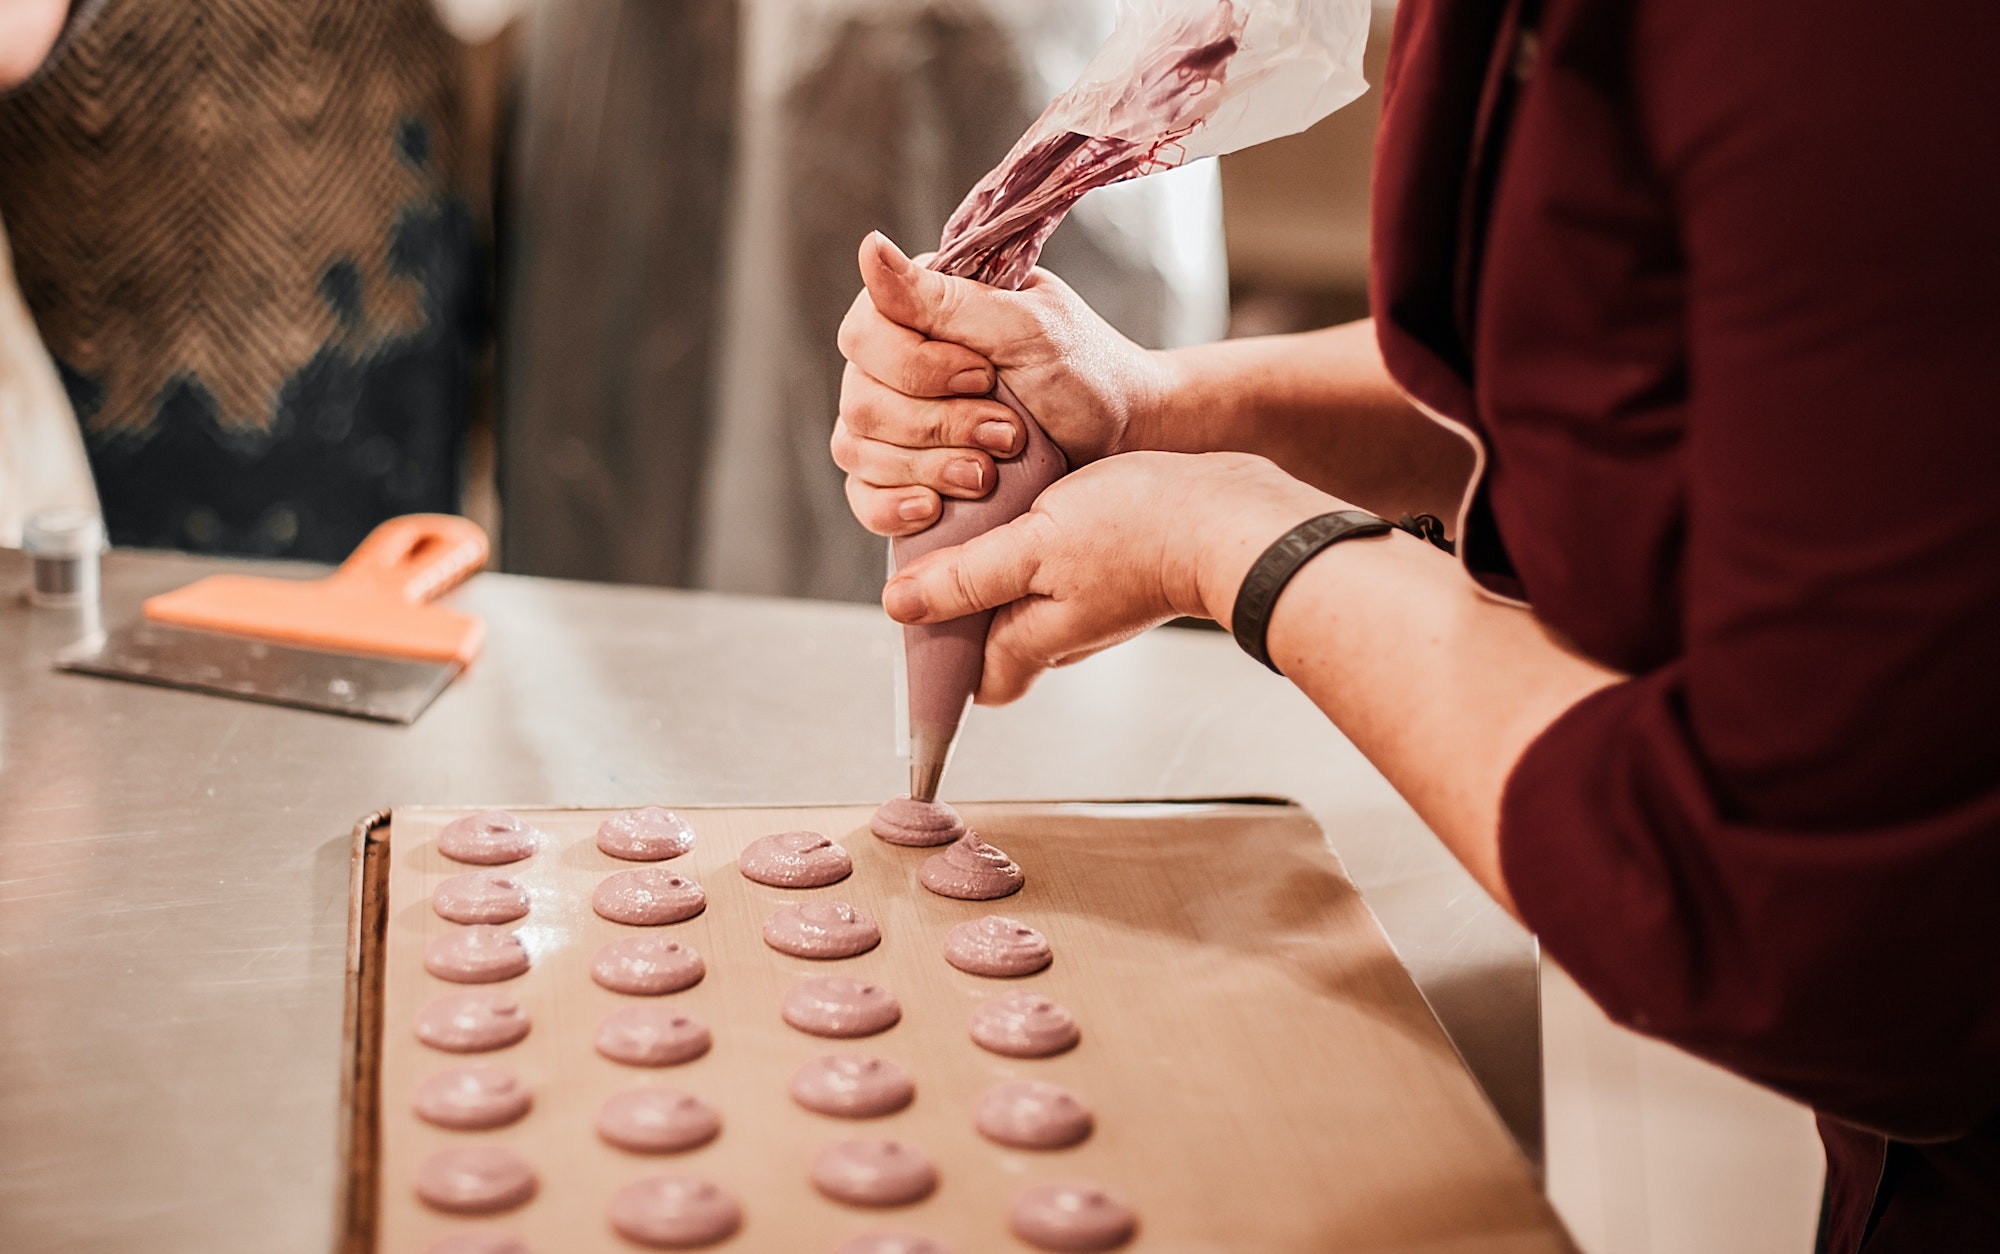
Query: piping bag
x=1176, y=81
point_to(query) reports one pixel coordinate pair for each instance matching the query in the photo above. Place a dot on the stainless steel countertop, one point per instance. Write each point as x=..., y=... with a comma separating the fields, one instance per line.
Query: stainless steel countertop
x=174, y=867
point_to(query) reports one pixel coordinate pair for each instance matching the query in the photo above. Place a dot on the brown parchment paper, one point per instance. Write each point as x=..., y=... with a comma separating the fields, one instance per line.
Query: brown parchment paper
x=1264, y=1075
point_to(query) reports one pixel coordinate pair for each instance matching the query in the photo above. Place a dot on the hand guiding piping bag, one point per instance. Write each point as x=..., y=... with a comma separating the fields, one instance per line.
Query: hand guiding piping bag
x=1177, y=80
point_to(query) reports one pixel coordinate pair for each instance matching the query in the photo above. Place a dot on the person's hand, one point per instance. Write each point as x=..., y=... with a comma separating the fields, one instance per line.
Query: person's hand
x=923, y=350
x=1119, y=546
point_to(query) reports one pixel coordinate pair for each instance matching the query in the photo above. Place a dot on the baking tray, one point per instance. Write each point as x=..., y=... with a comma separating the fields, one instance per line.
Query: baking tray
x=1264, y=1075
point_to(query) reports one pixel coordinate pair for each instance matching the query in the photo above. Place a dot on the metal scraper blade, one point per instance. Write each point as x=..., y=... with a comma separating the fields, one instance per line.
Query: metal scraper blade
x=388, y=690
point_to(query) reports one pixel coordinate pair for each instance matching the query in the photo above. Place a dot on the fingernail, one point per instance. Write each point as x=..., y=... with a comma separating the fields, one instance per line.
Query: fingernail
x=914, y=508
x=964, y=472
x=902, y=600
x=994, y=437
x=972, y=383
x=897, y=258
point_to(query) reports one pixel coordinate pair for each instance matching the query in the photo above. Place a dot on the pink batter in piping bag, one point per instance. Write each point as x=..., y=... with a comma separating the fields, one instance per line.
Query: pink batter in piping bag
x=1178, y=79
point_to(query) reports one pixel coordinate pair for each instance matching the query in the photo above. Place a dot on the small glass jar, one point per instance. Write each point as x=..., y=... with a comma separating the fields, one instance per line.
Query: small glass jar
x=62, y=545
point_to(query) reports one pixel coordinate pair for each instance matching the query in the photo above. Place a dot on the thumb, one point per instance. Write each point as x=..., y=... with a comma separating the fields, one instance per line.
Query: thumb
x=989, y=570
x=940, y=306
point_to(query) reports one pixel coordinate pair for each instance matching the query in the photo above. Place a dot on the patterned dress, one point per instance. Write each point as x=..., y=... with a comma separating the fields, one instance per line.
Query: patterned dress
x=234, y=224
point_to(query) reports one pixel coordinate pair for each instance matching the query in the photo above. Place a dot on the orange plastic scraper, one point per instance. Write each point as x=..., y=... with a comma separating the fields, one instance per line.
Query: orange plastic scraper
x=365, y=641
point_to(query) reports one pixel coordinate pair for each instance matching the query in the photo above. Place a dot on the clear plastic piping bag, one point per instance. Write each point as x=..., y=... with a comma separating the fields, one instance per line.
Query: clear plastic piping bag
x=1177, y=80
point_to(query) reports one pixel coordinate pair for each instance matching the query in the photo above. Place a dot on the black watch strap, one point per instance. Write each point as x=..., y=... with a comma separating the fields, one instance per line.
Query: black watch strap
x=1287, y=555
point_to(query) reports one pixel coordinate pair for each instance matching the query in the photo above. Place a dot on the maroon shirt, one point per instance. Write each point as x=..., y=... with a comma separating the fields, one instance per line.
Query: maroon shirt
x=1718, y=284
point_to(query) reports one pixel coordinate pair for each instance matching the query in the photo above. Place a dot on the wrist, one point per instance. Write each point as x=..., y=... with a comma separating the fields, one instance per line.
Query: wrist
x=1244, y=503
x=1149, y=395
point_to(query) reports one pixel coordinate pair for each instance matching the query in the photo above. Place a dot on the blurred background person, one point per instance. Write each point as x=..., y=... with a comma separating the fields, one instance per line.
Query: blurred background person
x=41, y=460
x=250, y=237
x=243, y=235
x=687, y=184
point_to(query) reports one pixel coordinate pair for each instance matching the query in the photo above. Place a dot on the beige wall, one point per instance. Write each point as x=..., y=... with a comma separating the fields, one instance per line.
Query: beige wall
x=1296, y=209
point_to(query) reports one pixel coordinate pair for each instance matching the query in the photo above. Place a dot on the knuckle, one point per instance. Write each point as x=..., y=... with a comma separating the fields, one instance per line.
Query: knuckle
x=1054, y=292
x=860, y=417
x=847, y=339
x=854, y=325
x=936, y=427
x=882, y=519
x=1044, y=538
x=1010, y=668
x=915, y=373
x=966, y=583
x=947, y=298
x=869, y=507
x=1037, y=632
x=857, y=501
x=861, y=406
x=1011, y=648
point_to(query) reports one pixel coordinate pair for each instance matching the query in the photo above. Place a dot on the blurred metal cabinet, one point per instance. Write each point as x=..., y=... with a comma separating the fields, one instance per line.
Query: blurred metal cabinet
x=692, y=182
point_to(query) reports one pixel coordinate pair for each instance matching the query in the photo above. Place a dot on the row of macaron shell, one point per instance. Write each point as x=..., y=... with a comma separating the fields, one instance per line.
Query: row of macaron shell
x=684, y=1212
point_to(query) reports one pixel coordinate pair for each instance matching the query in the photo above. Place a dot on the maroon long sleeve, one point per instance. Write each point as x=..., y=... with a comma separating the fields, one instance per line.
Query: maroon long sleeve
x=1719, y=285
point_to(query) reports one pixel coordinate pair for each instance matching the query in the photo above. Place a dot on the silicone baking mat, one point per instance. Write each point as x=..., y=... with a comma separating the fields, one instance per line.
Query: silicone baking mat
x=1264, y=1075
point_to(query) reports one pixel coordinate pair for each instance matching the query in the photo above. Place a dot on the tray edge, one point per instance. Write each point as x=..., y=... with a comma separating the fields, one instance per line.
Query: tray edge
x=361, y=1051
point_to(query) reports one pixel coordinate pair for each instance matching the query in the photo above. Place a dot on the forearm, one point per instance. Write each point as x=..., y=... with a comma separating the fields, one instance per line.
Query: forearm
x=1319, y=404
x=1440, y=687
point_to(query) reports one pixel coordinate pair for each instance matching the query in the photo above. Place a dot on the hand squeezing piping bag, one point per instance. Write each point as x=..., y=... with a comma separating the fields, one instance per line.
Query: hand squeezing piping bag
x=945, y=660
x=1177, y=80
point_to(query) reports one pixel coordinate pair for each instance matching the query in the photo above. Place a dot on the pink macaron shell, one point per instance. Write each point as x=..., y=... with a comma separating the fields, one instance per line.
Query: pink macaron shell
x=474, y=1180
